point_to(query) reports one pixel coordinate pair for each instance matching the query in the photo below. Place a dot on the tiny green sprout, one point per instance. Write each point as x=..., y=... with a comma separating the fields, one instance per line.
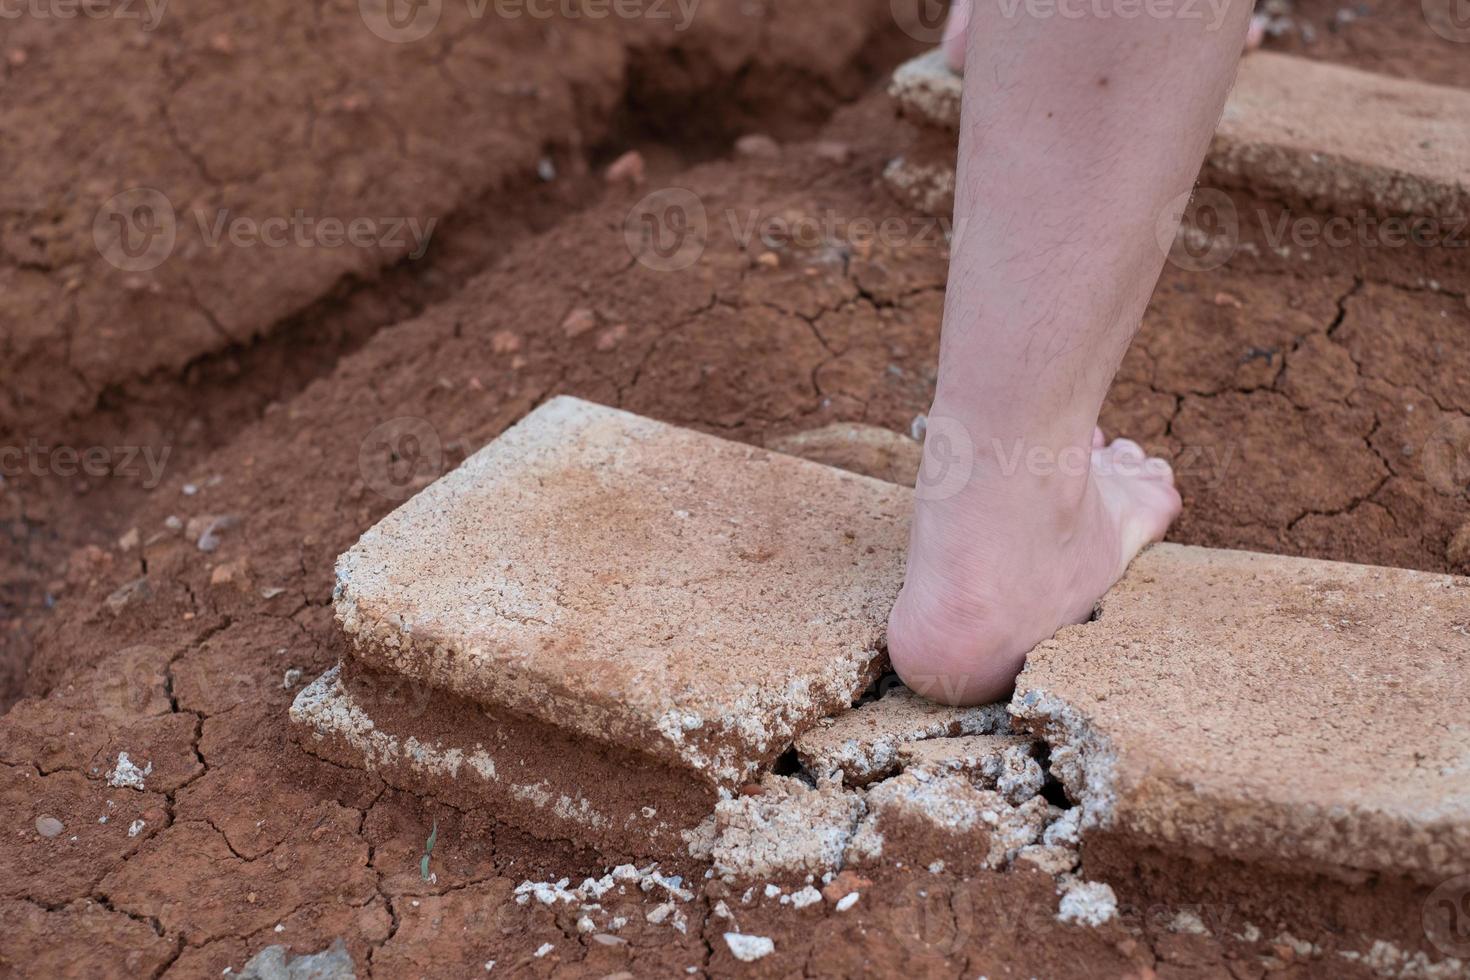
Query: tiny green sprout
x=429, y=850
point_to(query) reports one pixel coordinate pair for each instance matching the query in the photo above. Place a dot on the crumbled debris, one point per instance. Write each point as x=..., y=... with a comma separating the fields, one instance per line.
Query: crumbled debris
x=864, y=744
x=126, y=774
x=1088, y=903
x=1052, y=859
x=748, y=949
x=920, y=817
x=127, y=594
x=273, y=963
x=790, y=829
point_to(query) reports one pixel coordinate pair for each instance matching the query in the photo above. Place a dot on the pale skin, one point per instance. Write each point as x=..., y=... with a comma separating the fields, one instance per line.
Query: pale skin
x=1078, y=134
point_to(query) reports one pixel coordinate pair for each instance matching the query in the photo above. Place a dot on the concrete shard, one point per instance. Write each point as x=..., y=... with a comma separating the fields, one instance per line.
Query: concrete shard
x=786, y=831
x=757, y=605
x=533, y=775
x=926, y=91
x=1268, y=708
x=864, y=744
x=1003, y=762
x=920, y=818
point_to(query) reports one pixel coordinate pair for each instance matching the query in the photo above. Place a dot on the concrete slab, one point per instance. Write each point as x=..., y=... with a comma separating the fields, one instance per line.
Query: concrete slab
x=1345, y=138
x=1315, y=133
x=1267, y=709
x=864, y=744
x=538, y=777
x=756, y=605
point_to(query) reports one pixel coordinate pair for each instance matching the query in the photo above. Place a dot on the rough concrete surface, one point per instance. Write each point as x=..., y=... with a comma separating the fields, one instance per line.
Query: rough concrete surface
x=927, y=92
x=1318, y=133
x=1264, y=707
x=864, y=744
x=944, y=822
x=1346, y=138
x=757, y=606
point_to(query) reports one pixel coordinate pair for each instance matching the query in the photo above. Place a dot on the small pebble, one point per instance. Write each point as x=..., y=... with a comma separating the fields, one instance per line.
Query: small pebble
x=578, y=322
x=48, y=826
x=758, y=146
x=627, y=168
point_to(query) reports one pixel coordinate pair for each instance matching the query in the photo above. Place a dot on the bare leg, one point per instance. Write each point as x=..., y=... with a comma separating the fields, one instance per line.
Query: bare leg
x=1076, y=135
x=957, y=32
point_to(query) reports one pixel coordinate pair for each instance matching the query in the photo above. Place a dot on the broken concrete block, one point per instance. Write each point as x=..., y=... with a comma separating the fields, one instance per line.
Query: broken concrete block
x=921, y=818
x=864, y=744
x=927, y=92
x=786, y=831
x=536, y=776
x=757, y=603
x=867, y=449
x=1003, y=762
x=1306, y=130
x=1327, y=134
x=1052, y=859
x=1260, y=707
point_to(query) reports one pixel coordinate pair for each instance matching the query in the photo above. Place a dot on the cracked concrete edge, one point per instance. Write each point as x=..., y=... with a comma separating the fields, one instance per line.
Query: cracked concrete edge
x=330, y=723
x=1083, y=760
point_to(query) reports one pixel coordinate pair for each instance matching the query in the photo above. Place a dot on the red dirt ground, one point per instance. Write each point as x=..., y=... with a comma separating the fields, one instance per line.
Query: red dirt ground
x=1314, y=402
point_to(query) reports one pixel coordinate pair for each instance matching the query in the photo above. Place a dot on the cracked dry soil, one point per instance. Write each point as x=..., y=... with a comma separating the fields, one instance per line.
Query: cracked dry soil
x=1311, y=402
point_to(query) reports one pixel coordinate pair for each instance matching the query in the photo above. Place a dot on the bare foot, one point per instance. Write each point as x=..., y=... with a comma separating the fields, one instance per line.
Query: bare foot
x=957, y=34
x=1003, y=563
